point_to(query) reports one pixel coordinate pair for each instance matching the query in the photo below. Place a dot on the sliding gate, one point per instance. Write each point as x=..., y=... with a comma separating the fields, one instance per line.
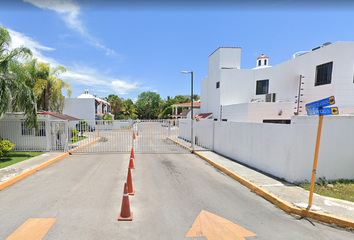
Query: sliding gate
x=145, y=136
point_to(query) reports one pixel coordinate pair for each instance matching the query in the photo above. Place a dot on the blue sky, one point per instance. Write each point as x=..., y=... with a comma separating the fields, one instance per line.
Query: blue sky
x=113, y=47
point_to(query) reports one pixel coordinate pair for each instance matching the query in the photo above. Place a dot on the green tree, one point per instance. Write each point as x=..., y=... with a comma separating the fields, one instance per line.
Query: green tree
x=183, y=98
x=148, y=104
x=165, y=109
x=14, y=92
x=116, y=103
x=128, y=107
x=196, y=97
x=47, y=86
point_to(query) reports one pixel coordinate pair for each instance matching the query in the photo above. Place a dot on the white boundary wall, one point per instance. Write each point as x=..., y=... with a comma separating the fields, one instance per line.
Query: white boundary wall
x=257, y=111
x=287, y=151
x=203, y=131
x=185, y=129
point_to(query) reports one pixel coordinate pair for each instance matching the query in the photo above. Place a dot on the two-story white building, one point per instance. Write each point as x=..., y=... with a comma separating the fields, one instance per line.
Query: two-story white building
x=86, y=106
x=275, y=93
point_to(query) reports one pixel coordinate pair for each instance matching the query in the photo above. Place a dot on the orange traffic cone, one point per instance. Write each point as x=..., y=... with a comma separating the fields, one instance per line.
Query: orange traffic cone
x=125, y=214
x=130, y=183
x=134, y=135
x=137, y=133
x=132, y=158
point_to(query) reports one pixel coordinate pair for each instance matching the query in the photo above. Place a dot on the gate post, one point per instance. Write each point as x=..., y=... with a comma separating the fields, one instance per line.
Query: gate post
x=48, y=132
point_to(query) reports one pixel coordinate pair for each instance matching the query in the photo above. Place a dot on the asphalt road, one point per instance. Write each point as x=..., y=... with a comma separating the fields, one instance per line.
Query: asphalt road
x=84, y=193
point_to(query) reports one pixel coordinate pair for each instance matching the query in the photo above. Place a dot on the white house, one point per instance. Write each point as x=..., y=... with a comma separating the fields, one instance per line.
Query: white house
x=52, y=134
x=86, y=106
x=186, y=109
x=275, y=93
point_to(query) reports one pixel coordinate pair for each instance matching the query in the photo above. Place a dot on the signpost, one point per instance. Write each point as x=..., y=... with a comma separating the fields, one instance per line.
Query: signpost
x=169, y=127
x=316, y=108
x=321, y=103
x=322, y=111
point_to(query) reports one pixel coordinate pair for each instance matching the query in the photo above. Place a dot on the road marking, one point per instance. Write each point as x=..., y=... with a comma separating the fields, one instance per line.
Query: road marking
x=214, y=227
x=33, y=229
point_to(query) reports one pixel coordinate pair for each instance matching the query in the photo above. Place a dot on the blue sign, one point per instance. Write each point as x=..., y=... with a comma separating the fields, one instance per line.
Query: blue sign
x=323, y=111
x=321, y=103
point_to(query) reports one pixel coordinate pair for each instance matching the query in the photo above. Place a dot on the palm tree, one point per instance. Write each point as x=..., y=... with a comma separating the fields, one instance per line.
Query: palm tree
x=128, y=107
x=116, y=102
x=196, y=97
x=47, y=86
x=14, y=92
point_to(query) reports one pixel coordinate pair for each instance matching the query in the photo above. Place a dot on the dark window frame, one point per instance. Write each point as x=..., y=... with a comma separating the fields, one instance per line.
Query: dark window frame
x=41, y=132
x=262, y=89
x=324, y=74
x=218, y=84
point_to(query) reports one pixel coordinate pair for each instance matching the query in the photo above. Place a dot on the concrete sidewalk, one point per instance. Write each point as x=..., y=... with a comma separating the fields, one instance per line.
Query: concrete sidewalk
x=284, y=190
x=16, y=169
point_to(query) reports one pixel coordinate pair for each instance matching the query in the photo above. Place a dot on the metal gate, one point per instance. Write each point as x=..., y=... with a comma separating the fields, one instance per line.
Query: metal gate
x=122, y=136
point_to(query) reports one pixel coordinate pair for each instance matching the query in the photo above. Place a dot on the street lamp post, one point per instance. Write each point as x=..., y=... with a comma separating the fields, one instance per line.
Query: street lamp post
x=192, y=139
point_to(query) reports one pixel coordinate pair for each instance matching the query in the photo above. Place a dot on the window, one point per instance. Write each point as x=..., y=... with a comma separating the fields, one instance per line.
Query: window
x=41, y=129
x=262, y=87
x=32, y=132
x=218, y=84
x=277, y=121
x=265, y=61
x=324, y=74
x=259, y=62
x=24, y=130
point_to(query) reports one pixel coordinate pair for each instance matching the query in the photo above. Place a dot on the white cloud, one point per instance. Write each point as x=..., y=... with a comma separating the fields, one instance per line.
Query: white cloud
x=69, y=11
x=122, y=87
x=77, y=73
x=61, y=6
x=19, y=39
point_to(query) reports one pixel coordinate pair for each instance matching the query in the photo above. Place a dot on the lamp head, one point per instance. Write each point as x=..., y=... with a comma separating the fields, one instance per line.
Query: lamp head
x=185, y=72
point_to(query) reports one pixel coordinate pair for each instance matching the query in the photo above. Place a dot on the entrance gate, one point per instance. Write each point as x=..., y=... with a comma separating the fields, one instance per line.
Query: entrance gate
x=121, y=136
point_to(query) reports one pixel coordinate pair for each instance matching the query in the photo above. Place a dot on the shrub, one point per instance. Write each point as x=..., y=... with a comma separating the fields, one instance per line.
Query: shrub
x=73, y=132
x=5, y=147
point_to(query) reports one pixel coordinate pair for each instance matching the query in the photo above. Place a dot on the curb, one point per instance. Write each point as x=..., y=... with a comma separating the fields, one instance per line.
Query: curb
x=189, y=149
x=24, y=174
x=287, y=207
x=88, y=144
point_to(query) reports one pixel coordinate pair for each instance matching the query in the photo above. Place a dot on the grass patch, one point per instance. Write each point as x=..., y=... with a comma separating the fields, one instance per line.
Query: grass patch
x=16, y=157
x=342, y=188
x=77, y=139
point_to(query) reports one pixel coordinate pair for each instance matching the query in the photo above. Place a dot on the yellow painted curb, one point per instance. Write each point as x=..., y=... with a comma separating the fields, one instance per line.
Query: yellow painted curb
x=24, y=174
x=88, y=144
x=168, y=138
x=287, y=207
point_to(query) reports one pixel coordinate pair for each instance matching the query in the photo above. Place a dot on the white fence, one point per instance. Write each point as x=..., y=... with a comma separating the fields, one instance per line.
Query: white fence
x=286, y=150
x=50, y=136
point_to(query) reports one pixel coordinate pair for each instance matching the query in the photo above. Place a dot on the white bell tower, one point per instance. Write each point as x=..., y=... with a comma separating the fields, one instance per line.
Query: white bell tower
x=262, y=61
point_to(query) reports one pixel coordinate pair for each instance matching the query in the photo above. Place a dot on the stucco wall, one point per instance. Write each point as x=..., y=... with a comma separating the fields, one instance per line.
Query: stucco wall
x=287, y=151
x=257, y=112
x=82, y=108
